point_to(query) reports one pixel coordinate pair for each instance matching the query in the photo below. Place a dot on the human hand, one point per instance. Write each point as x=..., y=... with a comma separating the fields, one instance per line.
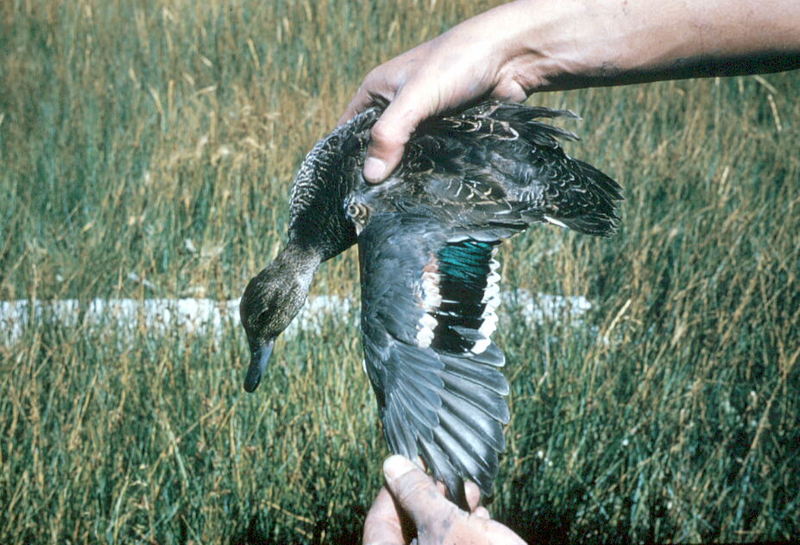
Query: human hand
x=412, y=503
x=524, y=46
x=460, y=66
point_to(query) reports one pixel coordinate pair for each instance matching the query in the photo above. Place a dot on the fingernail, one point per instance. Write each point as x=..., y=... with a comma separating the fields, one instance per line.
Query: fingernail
x=374, y=169
x=396, y=466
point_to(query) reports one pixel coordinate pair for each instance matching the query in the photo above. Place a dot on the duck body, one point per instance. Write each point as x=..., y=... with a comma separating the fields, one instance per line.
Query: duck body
x=428, y=237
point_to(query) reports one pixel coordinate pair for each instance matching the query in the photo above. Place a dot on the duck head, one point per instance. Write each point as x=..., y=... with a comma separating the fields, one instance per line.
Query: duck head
x=270, y=302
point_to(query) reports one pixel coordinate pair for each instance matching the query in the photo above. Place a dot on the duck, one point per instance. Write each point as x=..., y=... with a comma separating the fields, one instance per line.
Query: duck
x=428, y=239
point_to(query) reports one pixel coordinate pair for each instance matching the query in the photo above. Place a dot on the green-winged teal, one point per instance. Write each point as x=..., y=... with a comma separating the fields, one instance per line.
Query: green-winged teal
x=427, y=238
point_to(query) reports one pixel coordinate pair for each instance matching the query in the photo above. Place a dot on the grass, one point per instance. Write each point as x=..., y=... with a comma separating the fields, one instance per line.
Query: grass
x=160, y=138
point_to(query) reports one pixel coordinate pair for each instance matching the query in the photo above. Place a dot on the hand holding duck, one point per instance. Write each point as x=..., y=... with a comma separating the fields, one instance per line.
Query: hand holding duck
x=522, y=47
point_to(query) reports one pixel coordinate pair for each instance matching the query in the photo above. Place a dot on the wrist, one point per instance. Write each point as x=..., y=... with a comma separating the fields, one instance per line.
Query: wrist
x=547, y=45
x=579, y=43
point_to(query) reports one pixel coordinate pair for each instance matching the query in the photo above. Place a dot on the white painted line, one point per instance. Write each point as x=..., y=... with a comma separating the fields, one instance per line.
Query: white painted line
x=162, y=316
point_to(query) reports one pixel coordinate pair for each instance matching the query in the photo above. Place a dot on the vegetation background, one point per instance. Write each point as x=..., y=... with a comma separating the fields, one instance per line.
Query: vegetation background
x=129, y=128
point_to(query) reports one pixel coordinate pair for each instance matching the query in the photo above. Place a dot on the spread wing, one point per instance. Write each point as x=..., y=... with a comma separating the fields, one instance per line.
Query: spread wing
x=523, y=159
x=428, y=311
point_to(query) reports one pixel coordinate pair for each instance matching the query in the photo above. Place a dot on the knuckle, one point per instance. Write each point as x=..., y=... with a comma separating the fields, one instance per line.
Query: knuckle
x=387, y=136
x=416, y=488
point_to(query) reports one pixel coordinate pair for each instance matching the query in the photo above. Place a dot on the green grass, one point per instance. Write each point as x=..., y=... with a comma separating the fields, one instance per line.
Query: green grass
x=127, y=128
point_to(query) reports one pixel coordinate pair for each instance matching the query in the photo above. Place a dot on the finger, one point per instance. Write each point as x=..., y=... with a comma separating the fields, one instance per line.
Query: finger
x=415, y=492
x=382, y=526
x=482, y=512
x=473, y=494
x=362, y=100
x=391, y=133
x=509, y=91
x=481, y=530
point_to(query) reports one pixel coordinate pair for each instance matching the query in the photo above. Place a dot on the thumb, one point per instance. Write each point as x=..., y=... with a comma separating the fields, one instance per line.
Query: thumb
x=414, y=491
x=389, y=136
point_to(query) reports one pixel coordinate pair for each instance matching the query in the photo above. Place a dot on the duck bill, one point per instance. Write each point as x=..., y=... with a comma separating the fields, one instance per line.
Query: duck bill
x=258, y=364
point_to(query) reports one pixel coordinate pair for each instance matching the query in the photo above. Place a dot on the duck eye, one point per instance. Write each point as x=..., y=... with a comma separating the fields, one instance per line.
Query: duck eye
x=358, y=212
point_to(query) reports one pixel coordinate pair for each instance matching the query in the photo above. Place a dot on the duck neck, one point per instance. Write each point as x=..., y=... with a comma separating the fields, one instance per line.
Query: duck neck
x=301, y=263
